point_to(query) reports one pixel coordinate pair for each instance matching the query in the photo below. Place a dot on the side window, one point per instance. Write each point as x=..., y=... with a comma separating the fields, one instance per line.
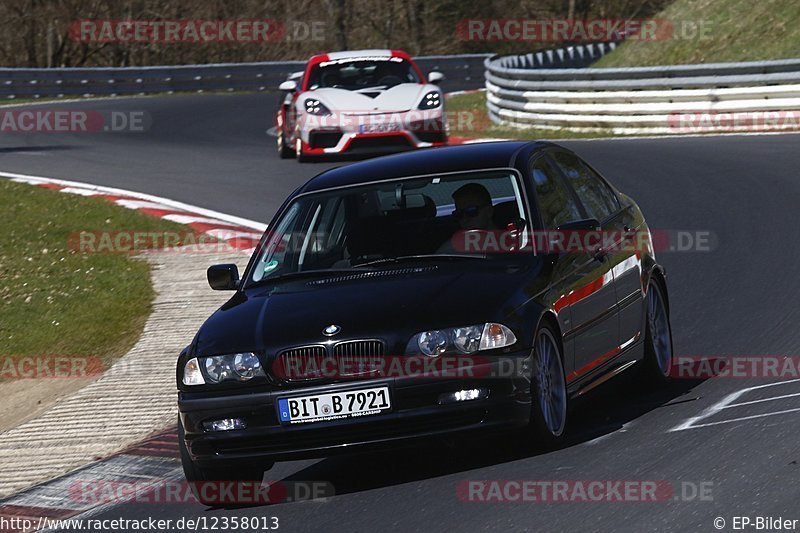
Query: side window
x=598, y=200
x=279, y=245
x=555, y=201
x=321, y=236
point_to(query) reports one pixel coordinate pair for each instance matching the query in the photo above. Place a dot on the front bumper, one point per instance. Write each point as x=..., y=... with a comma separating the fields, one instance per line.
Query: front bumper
x=416, y=413
x=373, y=133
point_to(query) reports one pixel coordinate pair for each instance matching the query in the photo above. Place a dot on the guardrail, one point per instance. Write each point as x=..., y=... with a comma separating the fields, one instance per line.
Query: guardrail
x=462, y=72
x=551, y=90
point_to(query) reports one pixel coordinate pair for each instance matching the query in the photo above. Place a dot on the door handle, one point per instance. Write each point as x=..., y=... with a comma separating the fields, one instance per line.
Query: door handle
x=601, y=254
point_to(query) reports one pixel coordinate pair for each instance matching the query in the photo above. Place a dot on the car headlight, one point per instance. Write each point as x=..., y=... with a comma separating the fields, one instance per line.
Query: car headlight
x=467, y=340
x=315, y=107
x=246, y=365
x=217, y=368
x=432, y=100
x=463, y=340
x=192, y=374
x=432, y=343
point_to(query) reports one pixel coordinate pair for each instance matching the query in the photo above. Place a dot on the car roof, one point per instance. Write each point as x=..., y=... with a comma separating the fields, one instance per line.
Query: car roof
x=347, y=54
x=459, y=158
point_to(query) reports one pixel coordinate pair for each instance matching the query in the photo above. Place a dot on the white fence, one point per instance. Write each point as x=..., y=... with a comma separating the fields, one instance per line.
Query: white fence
x=547, y=91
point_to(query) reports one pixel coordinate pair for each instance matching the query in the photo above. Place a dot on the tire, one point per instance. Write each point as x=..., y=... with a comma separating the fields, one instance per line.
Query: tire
x=299, y=154
x=549, y=399
x=285, y=152
x=196, y=476
x=658, y=353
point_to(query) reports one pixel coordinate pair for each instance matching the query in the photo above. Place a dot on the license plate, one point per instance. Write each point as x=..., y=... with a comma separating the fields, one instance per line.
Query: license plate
x=334, y=406
x=378, y=128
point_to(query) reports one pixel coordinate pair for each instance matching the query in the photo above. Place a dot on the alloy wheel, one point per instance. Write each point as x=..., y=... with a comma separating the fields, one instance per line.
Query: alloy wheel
x=550, y=384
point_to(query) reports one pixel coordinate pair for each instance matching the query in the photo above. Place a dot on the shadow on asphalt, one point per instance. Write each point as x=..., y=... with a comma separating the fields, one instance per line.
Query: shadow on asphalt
x=598, y=413
x=44, y=148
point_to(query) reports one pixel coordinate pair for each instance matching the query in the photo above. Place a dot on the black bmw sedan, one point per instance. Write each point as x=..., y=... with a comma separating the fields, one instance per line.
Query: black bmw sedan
x=423, y=294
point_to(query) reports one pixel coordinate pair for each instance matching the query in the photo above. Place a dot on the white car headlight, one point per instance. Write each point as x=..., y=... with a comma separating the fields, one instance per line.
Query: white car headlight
x=315, y=107
x=467, y=340
x=432, y=100
x=246, y=365
x=432, y=343
x=463, y=340
x=218, y=368
x=192, y=374
x=496, y=336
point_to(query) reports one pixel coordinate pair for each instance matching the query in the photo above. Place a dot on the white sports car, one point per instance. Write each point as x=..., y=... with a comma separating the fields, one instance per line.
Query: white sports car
x=366, y=101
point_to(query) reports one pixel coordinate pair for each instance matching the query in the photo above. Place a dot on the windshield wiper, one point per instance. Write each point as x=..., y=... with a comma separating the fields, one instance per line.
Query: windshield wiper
x=338, y=271
x=421, y=257
x=302, y=274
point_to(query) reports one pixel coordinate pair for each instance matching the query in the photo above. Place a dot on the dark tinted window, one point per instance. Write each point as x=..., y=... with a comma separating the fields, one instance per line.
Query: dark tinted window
x=597, y=198
x=556, y=204
x=345, y=228
x=359, y=73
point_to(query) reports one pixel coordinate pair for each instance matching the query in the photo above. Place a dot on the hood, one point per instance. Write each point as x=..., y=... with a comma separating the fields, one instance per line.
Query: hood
x=391, y=307
x=402, y=97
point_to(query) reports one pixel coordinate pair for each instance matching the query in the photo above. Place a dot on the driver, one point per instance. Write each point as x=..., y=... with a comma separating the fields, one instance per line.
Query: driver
x=473, y=211
x=474, y=207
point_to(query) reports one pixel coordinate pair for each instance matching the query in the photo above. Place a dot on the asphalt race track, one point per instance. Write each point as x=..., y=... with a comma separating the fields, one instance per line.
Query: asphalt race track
x=739, y=299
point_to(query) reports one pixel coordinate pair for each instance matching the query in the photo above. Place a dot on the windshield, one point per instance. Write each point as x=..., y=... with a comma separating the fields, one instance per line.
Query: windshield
x=418, y=219
x=361, y=73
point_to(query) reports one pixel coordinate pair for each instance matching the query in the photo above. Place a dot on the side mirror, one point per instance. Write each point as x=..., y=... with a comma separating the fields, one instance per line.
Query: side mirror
x=435, y=77
x=223, y=277
x=288, y=86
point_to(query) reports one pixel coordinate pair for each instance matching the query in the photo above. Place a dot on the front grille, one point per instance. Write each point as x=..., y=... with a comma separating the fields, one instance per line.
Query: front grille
x=358, y=358
x=348, y=359
x=431, y=136
x=391, y=141
x=299, y=364
x=324, y=139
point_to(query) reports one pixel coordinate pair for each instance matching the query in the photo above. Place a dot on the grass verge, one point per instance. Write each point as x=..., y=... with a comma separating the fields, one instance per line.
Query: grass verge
x=57, y=301
x=725, y=30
